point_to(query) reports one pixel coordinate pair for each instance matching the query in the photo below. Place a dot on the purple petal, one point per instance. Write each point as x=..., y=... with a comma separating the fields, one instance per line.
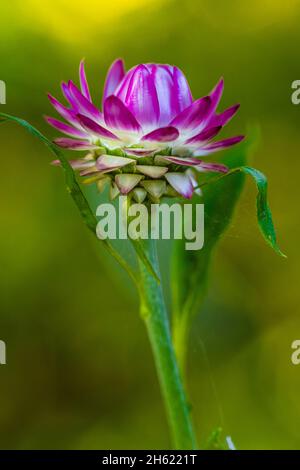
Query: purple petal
x=194, y=162
x=78, y=164
x=182, y=97
x=141, y=97
x=163, y=82
x=223, y=118
x=83, y=82
x=69, y=97
x=73, y=144
x=172, y=90
x=61, y=126
x=89, y=171
x=216, y=94
x=95, y=128
x=212, y=167
x=122, y=88
x=153, y=67
x=190, y=173
x=163, y=134
x=116, y=115
x=111, y=162
x=223, y=144
x=83, y=104
x=191, y=117
x=181, y=183
x=204, y=135
x=185, y=161
x=114, y=76
x=66, y=113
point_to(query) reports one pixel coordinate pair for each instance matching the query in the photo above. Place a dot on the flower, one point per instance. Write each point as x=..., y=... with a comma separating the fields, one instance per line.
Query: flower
x=149, y=136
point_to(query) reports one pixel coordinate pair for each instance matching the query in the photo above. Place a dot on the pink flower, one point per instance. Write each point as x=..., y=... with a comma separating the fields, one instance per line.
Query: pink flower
x=150, y=128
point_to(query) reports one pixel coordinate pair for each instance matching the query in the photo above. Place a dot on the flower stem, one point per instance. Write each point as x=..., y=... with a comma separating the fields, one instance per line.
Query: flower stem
x=156, y=320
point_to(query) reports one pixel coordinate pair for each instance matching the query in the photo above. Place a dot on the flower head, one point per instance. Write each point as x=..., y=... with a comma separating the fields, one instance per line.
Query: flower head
x=147, y=139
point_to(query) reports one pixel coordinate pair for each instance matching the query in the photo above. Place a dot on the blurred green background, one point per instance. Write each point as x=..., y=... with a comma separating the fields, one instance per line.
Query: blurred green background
x=79, y=370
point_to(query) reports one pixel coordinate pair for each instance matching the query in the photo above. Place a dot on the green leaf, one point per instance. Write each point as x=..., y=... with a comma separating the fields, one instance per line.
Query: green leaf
x=189, y=269
x=264, y=215
x=79, y=198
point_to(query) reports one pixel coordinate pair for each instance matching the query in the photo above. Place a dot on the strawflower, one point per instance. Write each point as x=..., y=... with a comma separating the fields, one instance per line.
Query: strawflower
x=150, y=136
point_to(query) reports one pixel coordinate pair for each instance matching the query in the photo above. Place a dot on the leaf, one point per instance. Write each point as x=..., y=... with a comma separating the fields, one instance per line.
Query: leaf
x=264, y=215
x=189, y=269
x=79, y=198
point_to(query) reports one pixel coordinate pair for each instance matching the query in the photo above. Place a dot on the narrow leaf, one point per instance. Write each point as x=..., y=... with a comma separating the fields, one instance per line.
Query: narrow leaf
x=264, y=215
x=74, y=189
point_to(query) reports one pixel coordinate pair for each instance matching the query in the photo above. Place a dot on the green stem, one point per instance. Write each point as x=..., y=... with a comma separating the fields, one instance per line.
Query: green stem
x=156, y=320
